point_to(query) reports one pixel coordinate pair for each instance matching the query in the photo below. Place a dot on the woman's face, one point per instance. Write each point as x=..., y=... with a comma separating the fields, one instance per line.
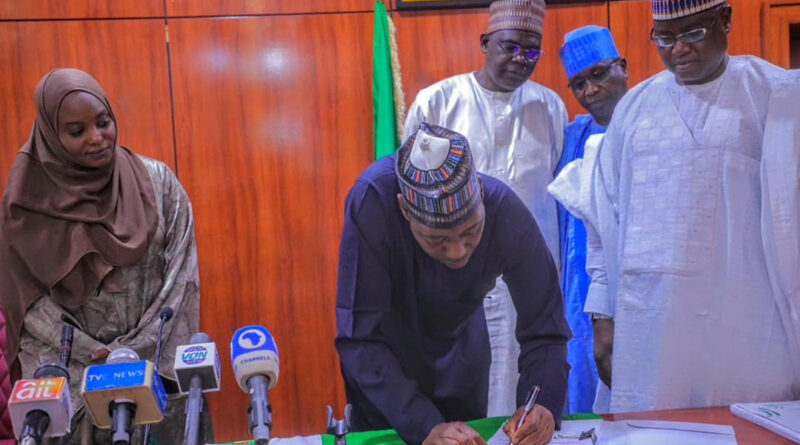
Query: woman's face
x=86, y=129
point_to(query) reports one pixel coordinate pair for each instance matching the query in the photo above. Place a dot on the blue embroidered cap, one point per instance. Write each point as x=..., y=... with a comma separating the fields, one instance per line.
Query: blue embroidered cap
x=437, y=176
x=585, y=47
x=675, y=9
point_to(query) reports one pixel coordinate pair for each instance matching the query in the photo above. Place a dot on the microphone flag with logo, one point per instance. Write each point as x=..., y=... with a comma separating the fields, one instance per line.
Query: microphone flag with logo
x=256, y=368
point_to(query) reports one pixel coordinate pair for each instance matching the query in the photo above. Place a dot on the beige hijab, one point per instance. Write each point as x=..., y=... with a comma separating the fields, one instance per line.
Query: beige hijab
x=64, y=226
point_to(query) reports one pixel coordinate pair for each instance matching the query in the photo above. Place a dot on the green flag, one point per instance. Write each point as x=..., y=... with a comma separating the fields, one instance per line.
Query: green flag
x=383, y=106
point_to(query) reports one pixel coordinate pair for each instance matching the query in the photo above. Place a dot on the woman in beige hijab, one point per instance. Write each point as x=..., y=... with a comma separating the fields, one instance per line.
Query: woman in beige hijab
x=98, y=236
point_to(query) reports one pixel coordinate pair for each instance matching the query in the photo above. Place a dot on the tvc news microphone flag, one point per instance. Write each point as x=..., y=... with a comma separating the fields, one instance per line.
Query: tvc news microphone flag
x=136, y=381
x=50, y=395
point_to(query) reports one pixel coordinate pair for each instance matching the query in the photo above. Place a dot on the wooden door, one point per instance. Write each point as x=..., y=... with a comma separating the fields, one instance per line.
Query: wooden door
x=782, y=36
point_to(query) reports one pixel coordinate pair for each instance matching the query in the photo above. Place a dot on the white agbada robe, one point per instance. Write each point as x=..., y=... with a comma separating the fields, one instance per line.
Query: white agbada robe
x=516, y=137
x=780, y=214
x=573, y=189
x=675, y=251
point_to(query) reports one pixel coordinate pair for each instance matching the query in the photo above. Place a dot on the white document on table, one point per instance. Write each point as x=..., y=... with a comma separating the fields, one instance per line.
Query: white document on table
x=569, y=433
x=653, y=432
x=780, y=417
x=297, y=440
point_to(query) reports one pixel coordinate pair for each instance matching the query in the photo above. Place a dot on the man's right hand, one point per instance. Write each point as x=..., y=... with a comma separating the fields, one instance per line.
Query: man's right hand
x=603, y=348
x=453, y=433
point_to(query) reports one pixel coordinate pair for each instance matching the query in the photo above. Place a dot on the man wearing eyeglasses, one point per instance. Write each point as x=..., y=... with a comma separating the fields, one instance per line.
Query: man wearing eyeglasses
x=516, y=129
x=598, y=77
x=682, y=253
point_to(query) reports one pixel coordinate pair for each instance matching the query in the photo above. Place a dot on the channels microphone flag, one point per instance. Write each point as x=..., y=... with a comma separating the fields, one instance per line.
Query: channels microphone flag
x=256, y=368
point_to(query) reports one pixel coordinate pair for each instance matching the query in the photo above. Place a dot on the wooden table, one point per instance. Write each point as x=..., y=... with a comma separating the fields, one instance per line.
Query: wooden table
x=747, y=433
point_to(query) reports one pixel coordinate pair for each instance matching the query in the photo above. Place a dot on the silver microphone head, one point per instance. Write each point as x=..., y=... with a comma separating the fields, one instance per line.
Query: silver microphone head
x=200, y=337
x=122, y=355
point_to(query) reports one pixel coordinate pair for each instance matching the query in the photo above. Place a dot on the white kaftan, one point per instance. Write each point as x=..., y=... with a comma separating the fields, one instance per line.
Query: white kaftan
x=676, y=253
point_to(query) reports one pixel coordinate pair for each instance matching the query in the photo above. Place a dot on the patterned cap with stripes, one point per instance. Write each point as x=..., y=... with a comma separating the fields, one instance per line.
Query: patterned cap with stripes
x=675, y=9
x=522, y=15
x=437, y=176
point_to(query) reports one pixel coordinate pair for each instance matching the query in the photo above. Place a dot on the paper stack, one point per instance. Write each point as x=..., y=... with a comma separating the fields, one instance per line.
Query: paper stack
x=782, y=418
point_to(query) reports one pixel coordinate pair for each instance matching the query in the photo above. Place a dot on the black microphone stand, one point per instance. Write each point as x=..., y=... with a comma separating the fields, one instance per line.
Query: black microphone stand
x=165, y=316
x=67, y=334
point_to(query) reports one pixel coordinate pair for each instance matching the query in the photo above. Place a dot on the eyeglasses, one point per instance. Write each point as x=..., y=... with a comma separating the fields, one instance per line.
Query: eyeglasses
x=691, y=36
x=514, y=49
x=598, y=74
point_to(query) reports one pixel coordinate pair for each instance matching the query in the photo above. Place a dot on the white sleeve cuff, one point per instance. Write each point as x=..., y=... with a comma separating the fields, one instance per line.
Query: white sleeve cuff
x=597, y=300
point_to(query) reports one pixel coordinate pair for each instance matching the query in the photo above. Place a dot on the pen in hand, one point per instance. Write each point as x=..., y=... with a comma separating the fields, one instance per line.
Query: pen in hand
x=529, y=405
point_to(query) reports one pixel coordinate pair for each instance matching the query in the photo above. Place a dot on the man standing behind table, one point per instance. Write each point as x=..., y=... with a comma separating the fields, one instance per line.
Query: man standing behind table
x=685, y=253
x=598, y=77
x=515, y=128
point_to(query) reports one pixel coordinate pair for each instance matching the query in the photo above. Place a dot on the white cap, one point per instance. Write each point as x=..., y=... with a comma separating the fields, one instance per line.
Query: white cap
x=429, y=152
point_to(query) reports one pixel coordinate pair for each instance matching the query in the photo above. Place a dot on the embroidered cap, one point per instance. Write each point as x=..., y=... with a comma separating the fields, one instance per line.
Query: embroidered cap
x=437, y=176
x=675, y=9
x=522, y=15
x=585, y=47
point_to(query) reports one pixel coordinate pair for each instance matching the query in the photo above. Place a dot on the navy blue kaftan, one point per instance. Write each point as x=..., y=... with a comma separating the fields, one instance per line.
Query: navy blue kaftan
x=411, y=333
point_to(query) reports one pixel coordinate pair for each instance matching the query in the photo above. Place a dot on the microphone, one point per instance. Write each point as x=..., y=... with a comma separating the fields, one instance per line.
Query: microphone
x=41, y=407
x=197, y=370
x=256, y=367
x=122, y=392
x=165, y=316
x=67, y=332
x=339, y=428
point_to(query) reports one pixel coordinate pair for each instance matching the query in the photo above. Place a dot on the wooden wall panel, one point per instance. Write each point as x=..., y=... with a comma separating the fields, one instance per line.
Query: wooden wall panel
x=273, y=125
x=434, y=45
x=127, y=57
x=79, y=9
x=194, y=8
x=631, y=22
